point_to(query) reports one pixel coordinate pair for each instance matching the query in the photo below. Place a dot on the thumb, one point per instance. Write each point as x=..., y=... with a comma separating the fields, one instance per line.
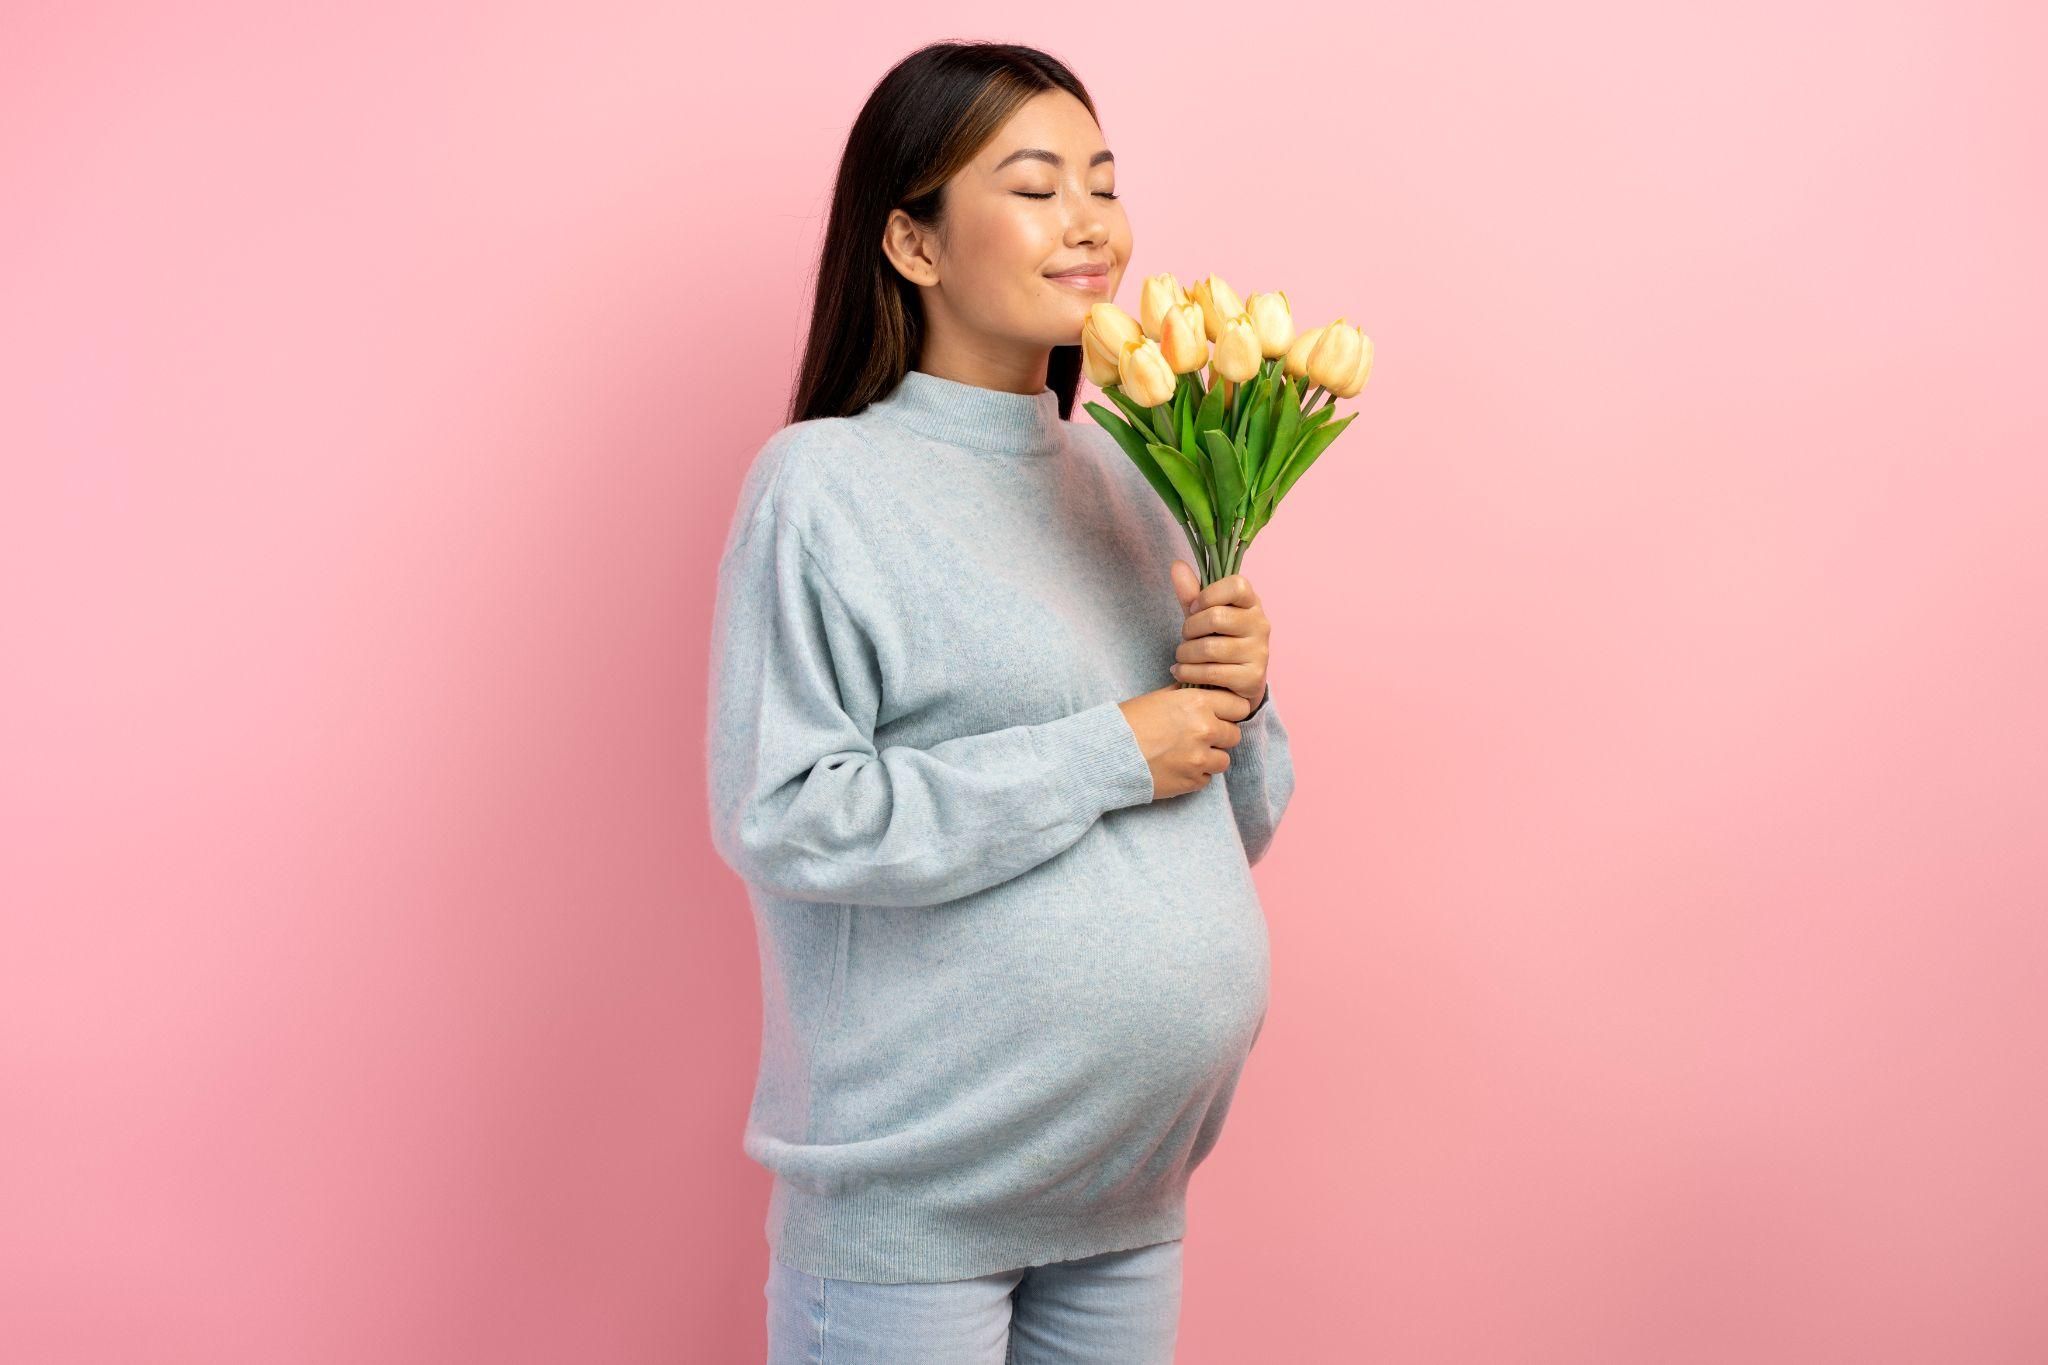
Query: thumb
x=1187, y=584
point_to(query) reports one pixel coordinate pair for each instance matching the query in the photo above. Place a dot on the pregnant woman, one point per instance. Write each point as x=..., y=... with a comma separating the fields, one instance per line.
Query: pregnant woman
x=1012, y=958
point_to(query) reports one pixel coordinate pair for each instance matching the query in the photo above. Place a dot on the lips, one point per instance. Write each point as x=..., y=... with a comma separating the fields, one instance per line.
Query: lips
x=1078, y=271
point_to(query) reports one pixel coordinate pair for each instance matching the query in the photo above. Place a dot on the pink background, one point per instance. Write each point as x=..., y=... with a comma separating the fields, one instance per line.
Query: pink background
x=1658, y=926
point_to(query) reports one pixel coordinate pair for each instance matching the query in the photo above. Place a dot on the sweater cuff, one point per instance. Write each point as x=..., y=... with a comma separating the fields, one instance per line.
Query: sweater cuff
x=1097, y=764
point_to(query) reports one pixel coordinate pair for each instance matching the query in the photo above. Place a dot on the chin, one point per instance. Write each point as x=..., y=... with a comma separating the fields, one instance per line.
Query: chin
x=1074, y=311
x=1065, y=329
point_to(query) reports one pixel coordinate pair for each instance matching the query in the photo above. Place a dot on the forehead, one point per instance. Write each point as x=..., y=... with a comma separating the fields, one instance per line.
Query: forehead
x=1050, y=129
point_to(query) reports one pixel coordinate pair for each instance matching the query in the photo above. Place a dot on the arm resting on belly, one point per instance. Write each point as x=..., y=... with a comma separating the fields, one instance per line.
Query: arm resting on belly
x=803, y=803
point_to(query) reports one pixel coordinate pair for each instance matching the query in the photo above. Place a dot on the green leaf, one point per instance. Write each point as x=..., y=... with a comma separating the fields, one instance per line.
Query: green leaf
x=1262, y=512
x=1258, y=432
x=1184, y=414
x=1249, y=402
x=1274, y=459
x=1305, y=453
x=1144, y=419
x=1132, y=443
x=1229, y=483
x=1210, y=416
x=1188, y=479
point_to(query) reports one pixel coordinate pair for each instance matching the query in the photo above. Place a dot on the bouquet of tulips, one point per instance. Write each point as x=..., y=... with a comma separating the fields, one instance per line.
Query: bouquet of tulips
x=1221, y=454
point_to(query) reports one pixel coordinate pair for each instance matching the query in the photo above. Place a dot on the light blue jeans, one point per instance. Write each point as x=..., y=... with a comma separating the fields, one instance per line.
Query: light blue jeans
x=1118, y=1308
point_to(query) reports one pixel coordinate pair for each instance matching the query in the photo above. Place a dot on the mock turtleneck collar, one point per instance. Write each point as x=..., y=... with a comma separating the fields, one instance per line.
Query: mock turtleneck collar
x=968, y=415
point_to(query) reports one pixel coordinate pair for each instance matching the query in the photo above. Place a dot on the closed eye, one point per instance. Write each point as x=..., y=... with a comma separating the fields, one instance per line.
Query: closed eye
x=1106, y=194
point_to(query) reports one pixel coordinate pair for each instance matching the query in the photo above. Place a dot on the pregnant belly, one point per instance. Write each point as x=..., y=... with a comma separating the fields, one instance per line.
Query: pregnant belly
x=1169, y=985
x=1156, y=981
x=1079, y=1065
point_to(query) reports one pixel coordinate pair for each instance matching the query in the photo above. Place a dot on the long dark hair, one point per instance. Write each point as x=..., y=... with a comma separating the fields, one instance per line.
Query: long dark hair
x=925, y=120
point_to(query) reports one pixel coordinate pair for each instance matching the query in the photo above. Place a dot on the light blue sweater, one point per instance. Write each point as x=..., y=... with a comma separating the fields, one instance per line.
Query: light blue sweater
x=1006, y=993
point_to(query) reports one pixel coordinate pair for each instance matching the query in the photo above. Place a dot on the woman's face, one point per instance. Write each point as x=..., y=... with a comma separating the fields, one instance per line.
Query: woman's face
x=1039, y=199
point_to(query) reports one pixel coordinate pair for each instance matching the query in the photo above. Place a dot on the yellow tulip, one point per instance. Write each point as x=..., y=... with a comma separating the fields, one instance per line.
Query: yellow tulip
x=1334, y=361
x=1160, y=292
x=1219, y=303
x=1296, y=366
x=1237, y=350
x=1102, y=341
x=1183, y=345
x=1273, y=320
x=1363, y=370
x=1143, y=373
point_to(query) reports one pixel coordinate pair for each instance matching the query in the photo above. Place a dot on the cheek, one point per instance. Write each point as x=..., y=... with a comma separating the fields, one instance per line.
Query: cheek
x=1023, y=252
x=1001, y=259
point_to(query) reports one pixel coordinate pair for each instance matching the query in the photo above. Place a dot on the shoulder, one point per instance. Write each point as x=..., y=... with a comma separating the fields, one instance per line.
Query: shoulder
x=1092, y=439
x=1113, y=465
x=1123, y=483
x=794, y=456
x=1087, y=434
x=1098, y=452
x=791, y=477
x=803, y=463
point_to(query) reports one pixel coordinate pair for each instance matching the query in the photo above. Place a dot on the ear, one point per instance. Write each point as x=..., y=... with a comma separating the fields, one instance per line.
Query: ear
x=908, y=249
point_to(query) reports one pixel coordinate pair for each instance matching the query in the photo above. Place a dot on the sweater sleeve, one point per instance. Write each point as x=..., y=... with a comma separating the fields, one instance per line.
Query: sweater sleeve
x=804, y=804
x=1260, y=778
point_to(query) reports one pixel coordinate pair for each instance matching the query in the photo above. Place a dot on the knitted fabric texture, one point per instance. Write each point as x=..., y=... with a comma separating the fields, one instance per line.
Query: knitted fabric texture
x=1007, y=995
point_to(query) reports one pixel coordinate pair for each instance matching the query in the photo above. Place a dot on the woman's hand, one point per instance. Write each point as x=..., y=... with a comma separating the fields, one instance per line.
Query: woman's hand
x=1186, y=734
x=1227, y=639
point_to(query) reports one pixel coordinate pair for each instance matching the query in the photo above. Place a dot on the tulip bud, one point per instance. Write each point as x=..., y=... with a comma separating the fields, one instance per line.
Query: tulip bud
x=1334, y=361
x=1102, y=341
x=1160, y=292
x=1237, y=350
x=1296, y=364
x=1219, y=304
x=1356, y=380
x=1273, y=321
x=1184, y=346
x=1144, y=375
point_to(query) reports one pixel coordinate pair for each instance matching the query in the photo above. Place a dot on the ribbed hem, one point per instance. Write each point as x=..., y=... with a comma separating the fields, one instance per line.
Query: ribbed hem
x=1097, y=763
x=881, y=1235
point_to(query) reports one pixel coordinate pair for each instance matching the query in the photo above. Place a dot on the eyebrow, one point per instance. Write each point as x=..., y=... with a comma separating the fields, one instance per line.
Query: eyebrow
x=1041, y=154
